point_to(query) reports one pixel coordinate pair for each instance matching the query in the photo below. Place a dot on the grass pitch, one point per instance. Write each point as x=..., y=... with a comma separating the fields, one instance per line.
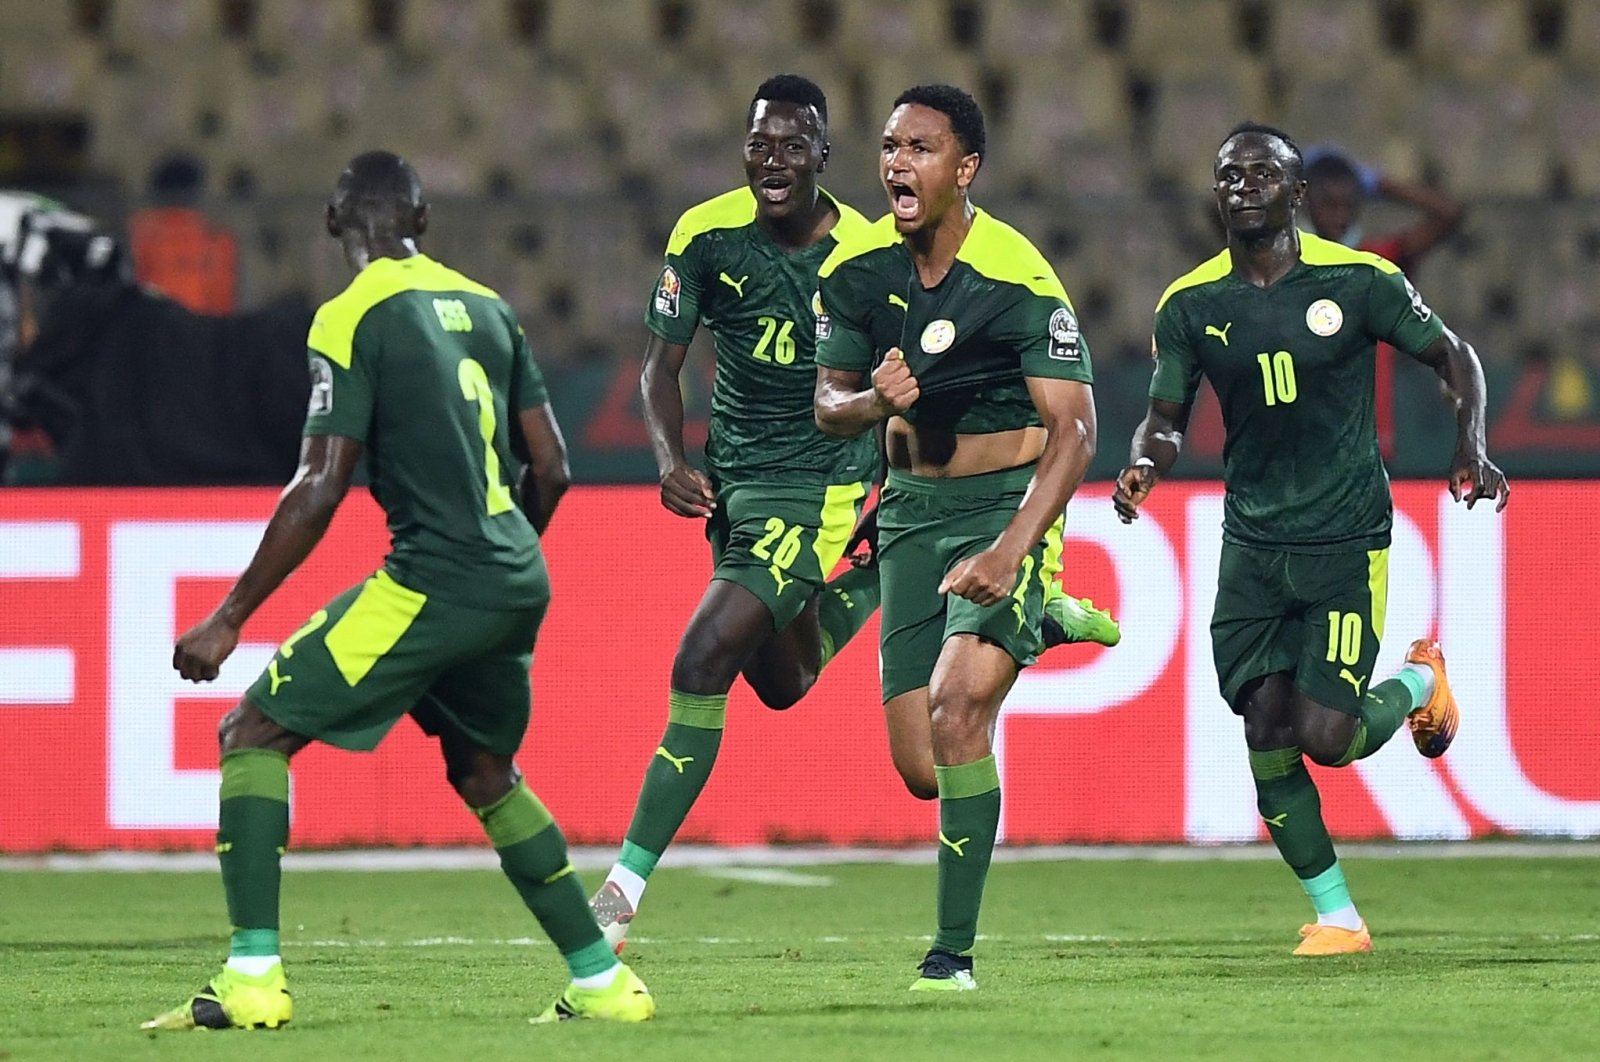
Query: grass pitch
x=1475, y=959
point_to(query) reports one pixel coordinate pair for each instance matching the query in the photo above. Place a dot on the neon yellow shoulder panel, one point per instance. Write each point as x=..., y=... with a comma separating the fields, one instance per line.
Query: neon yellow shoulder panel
x=730, y=210
x=333, y=330
x=1000, y=252
x=852, y=223
x=1210, y=270
x=858, y=241
x=1314, y=250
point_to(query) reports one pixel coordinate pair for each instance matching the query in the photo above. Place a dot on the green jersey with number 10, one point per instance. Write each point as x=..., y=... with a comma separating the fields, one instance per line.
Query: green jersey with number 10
x=1293, y=366
x=757, y=300
x=429, y=370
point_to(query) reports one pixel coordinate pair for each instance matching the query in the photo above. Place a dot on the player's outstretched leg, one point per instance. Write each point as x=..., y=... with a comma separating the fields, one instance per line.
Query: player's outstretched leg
x=252, y=832
x=533, y=854
x=1419, y=696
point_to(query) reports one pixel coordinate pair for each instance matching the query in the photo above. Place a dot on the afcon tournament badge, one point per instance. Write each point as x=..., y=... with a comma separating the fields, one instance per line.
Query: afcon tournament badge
x=1324, y=317
x=1064, y=335
x=667, y=292
x=321, y=402
x=824, y=322
x=938, y=336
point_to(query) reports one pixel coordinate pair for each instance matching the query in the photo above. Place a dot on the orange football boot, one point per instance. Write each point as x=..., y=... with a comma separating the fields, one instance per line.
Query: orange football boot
x=1433, y=726
x=1331, y=940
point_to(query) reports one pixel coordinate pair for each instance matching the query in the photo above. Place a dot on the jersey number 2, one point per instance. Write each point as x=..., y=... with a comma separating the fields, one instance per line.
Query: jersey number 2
x=475, y=388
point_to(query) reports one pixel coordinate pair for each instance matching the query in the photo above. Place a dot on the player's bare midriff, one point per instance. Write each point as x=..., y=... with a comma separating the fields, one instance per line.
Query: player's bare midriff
x=939, y=453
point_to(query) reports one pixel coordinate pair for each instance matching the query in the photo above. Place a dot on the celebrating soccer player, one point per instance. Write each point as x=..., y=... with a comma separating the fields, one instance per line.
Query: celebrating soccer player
x=1284, y=325
x=953, y=328
x=420, y=368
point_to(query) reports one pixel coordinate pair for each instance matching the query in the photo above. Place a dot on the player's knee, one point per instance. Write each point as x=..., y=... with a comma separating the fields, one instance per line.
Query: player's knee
x=920, y=787
x=246, y=728
x=1325, y=741
x=1324, y=751
x=781, y=694
x=701, y=668
x=956, y=723
x=479, y=783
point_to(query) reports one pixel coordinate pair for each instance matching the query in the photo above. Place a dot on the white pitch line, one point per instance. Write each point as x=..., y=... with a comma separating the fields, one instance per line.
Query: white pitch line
x=1048, y=938
x=601, y=858
x=767, y=876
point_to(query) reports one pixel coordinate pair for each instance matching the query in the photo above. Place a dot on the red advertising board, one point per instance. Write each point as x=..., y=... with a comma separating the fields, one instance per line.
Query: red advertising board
x=104, y=747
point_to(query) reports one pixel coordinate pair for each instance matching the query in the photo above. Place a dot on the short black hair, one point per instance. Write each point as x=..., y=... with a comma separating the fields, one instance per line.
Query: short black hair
x=1268, y=130
x=1331, y=166
x=791, y=88
x=966, y=117
x=378, y=188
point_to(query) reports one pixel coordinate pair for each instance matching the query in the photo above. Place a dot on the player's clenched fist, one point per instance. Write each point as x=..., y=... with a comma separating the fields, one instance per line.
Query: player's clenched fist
x=986, y=579
x=1134, y=485
x=893, y=383
x=687, y=491
x=199, y=654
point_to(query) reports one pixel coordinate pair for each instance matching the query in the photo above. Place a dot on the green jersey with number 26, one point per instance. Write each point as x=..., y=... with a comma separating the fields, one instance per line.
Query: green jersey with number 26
x=724, y=272
x=1293, y=366
x=429, y=370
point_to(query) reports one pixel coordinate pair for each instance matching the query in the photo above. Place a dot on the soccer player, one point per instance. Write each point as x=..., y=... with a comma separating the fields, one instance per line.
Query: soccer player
x=951, y=327
x=1284, y=325
x=420, y=368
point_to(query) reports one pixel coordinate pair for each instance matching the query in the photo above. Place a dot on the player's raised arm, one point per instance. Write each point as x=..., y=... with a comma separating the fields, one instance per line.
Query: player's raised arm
x=685, y=490
x=1473, y=476
x=307, y=505
x=1156, y=443
x=845, y=408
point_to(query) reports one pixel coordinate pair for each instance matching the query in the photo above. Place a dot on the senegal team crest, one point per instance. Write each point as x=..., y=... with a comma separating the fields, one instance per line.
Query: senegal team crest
x=938, y=336
x=1324, y=317
x=667, y=293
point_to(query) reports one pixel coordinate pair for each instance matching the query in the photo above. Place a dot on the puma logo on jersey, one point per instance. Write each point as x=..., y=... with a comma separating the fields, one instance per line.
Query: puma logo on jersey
x=736, y=285
x=954, y=846
x=1276, y=820
x=1345, y=674
x=777, y=577
x=895, y=300
x=676, y=761
x=1220, y=333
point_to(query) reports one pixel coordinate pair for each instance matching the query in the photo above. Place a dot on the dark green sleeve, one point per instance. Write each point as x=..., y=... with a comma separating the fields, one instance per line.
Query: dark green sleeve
x=674, y=308
x=1397, y=315
x=1045, y=331
x=527, y=382
x=843, y=341
x=343, y=386
x=1177, y=374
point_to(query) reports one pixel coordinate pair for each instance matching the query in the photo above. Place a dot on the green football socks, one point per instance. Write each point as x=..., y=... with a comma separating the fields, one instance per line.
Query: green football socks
x=252, y=832
x=969, y=818
x=677, y=773
x=844, y=606
x=1383, y=709
x=533, y=854
x=1289, y=804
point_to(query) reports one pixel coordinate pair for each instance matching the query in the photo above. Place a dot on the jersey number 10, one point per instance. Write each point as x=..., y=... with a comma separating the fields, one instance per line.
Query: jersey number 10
x=1277, y=377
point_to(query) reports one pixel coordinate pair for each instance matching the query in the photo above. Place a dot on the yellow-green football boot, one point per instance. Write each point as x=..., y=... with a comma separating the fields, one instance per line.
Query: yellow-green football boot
x=625, y=999
x=233, y=1000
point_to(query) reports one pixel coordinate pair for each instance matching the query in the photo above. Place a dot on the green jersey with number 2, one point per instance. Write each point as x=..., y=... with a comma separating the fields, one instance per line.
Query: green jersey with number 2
x=429, y=369
x=723, y=271
x=1293, y=366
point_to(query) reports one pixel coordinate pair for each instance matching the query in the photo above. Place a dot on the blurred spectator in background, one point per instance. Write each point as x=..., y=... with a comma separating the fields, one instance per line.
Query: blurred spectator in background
x=1336, y=188
x=176, y=249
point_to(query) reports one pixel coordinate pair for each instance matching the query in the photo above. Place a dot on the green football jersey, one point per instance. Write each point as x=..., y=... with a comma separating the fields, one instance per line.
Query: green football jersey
x=724, y=272
x=1293, y=367
x=429, y=369
x=998, y=317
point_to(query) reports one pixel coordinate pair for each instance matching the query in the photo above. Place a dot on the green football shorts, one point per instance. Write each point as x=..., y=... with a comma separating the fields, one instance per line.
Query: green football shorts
x=1315, y=617
x=925, y=527
x=781, y=542
x=381, y=650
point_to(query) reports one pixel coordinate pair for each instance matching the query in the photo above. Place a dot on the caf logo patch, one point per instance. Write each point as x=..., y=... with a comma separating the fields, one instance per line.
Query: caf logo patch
x=1324, y=317
x=938, y=336
x=1064, y=335
x=321, y=402
x=824, y=322
x=667, y=293
x=1418, y=307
